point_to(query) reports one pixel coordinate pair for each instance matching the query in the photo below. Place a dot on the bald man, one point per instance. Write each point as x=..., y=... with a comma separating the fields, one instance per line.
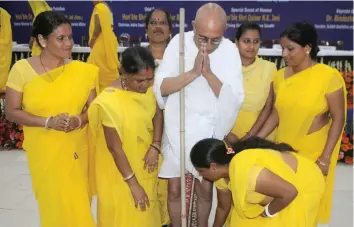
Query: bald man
x=213, y=96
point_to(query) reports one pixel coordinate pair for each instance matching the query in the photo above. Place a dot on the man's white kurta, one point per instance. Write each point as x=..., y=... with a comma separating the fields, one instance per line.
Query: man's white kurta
x=206, y=116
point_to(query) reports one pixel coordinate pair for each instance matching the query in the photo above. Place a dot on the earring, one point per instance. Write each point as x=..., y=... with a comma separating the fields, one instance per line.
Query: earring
x=170, y=36
x=307, y=52
x=146, y=36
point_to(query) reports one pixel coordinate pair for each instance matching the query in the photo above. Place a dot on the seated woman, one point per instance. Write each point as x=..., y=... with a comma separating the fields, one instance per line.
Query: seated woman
x=126, y=126
x=267, y=183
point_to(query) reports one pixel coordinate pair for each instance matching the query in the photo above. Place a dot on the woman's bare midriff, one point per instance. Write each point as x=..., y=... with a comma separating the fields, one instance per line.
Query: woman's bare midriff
x=318, y=123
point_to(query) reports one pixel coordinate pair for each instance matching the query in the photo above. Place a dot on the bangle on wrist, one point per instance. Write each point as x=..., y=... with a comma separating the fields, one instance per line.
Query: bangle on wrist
x=80, y=122
x=322, y=163
x=155, y=147
x=46, y=124
x=266, y=211
x=129, y=177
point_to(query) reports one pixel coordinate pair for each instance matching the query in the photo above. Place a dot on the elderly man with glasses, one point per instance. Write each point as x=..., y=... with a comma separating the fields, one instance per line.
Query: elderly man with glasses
x=213, y=96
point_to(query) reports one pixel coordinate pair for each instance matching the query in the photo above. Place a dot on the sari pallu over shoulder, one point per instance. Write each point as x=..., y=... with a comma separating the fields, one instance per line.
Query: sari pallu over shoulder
x=307, y=89
x=62, y=90
x=299, y=99
x=132, y=115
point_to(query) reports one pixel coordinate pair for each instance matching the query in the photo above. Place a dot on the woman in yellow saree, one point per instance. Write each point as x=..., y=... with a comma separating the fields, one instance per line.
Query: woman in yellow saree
x=48, y=95
x=257, y=82
x=104, y=44
x=270, y=184
x=310, y=106
x=37, y=6
x=126, y=126
x=158, y=24
x=5, y=47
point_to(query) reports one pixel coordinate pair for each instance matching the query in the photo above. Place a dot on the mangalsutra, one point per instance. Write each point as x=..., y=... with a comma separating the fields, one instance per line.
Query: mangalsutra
x=62, y=63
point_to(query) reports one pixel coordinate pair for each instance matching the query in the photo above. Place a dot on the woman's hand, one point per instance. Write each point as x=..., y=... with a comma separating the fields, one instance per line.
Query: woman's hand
x=323, y=164
x=92, y=43
x=74, y=123
x=139, y=195
x=59, y=122
x=151, y=159
x=231, y=139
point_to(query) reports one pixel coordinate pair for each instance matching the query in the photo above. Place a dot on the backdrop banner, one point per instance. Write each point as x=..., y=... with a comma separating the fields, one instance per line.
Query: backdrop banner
x=333, y=20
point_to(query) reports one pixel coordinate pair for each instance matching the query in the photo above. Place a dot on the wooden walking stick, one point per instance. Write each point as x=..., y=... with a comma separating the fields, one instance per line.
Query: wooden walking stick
x=182, y=121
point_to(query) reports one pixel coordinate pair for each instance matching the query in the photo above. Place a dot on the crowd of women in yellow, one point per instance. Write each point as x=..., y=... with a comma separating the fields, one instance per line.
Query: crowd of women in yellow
x=103, y=43
x=257, y=82
x=303, y=105
x=39, y=96
x=267, y=184
x=37, y=6
x=5, y=47
x=310, y=106
x=126, y=126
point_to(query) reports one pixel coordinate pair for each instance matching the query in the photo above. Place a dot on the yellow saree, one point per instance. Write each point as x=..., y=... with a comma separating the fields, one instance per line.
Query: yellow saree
x=104, y=53
x=243, y=172
x=5, y=47
x=299, y=99
x=38, y=6
x=256, y=81
x=54, y=157
x=131, y=115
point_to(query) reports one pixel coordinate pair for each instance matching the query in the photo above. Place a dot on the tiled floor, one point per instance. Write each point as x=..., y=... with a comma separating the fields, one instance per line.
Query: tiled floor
x=18, y=207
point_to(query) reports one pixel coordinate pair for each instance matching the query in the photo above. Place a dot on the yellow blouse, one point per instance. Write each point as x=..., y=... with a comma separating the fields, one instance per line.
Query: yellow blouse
x=257, y=79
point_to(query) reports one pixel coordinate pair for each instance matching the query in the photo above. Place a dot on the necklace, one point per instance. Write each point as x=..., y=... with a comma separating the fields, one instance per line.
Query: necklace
x=62, y=63
x=124, y=86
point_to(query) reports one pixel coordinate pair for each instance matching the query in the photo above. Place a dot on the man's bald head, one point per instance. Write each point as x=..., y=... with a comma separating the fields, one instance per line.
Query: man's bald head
x=211, y=15
x=209, y=26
